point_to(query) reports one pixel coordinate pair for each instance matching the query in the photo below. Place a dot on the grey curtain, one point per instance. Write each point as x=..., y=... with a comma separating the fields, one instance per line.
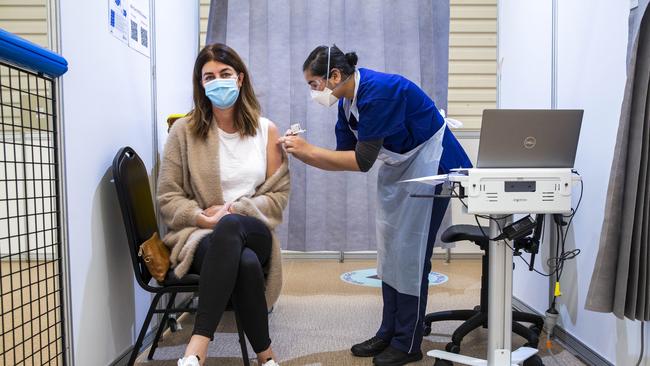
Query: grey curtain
x=621, y=279
x=331, y=211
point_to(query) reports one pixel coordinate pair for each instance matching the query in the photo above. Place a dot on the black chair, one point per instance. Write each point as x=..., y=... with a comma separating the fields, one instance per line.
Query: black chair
x=478, y=317
x=132, y=184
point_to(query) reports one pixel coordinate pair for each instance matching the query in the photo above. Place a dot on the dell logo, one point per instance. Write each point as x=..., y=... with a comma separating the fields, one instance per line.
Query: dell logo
x=530, y=142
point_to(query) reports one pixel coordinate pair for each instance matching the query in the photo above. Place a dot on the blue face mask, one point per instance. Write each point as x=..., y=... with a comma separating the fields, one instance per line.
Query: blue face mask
x=222, y=93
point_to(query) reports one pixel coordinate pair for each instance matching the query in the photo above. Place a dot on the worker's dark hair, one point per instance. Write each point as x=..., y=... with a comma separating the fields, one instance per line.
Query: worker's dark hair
x=316, y=62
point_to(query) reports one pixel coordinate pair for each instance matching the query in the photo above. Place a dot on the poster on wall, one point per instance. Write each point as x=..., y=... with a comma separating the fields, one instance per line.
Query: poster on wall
x=117, y=20
x=138, y=18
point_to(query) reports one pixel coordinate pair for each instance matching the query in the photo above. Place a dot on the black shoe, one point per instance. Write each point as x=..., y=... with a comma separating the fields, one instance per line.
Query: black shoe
x=371, y=347
x=394, y=357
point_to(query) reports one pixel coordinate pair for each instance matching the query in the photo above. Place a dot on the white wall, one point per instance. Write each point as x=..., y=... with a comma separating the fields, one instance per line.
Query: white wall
x=589, y=32
x=176, y=48
x=524, y=52
x=529, y=37
x=106, y=105
x=592, y=41
x=525, y=42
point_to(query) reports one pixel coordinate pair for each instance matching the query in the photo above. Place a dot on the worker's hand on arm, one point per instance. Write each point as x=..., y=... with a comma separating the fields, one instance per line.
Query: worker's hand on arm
x=317, y=156
x=296, y=146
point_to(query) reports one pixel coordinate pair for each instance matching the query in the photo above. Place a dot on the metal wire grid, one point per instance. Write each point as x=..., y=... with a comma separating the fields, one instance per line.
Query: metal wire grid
x=31, y=311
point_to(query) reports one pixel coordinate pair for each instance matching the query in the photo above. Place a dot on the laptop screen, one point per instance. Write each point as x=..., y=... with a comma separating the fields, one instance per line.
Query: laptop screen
x=529, y=138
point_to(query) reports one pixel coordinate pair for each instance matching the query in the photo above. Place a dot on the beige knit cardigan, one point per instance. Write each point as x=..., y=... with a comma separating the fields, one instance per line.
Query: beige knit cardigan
x=189, y=182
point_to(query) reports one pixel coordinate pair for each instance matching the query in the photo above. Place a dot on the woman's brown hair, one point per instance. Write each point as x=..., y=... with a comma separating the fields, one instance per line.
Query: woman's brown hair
x=247, y=108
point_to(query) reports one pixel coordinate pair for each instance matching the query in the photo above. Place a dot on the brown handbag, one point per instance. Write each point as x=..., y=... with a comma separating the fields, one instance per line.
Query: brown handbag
x=156, y=257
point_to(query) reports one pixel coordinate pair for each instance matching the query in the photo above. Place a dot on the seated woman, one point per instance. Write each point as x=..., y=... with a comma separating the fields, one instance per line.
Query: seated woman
x=223, y=185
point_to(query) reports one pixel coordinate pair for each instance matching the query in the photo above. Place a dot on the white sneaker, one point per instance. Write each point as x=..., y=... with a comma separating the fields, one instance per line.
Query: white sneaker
x=271, y=362
x=189, y=361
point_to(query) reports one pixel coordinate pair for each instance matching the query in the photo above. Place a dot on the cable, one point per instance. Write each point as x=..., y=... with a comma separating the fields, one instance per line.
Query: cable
x=496, y=220
x=535, y=270
x=565, y=256
x=495, y=217
x=558, y=236
x=579, y=200
x=507, y=243
x=541, y=240
x=456, y=195
x=566, y=232
x=480, y=227
x=559, y=260
x=642, y=343
x=558, y=263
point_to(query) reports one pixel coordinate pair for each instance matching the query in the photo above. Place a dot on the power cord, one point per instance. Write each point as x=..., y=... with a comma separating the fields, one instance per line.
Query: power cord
x=557, y=263
x=456, y=195
x=561, y=236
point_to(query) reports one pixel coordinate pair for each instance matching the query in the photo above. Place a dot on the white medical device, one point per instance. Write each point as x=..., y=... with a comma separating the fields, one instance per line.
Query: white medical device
x=501, y=193
x=516, y=191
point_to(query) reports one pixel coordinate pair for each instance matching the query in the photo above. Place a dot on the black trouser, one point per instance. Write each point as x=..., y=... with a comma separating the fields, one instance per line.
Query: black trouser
x=230, y=261
x=403, y=315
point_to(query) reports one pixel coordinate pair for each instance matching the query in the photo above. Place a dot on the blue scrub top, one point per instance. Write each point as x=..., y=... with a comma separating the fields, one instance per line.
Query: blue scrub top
x=393, y=108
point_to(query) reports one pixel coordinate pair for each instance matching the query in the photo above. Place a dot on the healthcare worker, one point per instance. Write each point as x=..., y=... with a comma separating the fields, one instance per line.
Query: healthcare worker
x=387, y=117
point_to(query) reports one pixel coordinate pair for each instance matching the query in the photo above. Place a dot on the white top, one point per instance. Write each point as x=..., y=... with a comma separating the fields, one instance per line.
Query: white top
x=351, y=106
x=242, y=162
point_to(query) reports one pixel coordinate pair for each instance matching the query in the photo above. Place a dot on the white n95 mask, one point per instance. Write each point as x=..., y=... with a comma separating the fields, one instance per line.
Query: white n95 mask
x=324, y=97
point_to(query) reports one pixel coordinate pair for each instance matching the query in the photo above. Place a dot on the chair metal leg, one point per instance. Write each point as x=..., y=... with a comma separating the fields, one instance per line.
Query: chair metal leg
x=242, y=338
x=535, y=319
x=469, y=325
x=143, y=330
x=447, y=315
x=161, y=326
x=529, y=335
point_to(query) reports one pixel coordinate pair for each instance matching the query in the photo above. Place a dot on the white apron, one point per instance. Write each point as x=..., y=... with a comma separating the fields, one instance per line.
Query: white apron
x=403, y=221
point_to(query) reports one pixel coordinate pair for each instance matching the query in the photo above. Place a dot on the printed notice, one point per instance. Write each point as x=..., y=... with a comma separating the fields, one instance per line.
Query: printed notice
x=138, y=26
x=117, y=20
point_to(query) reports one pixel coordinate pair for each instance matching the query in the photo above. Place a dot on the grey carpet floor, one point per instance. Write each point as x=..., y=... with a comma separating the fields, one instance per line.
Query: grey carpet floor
x=318, y=318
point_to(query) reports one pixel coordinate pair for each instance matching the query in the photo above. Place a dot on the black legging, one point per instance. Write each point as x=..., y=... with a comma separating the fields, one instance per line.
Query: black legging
x=230, y=262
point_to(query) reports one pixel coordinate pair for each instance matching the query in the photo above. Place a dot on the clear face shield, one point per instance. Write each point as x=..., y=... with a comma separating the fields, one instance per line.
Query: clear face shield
x=325, y=97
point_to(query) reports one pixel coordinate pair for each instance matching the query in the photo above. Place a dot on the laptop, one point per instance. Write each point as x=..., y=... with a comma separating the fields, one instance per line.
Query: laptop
x=529, y=138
